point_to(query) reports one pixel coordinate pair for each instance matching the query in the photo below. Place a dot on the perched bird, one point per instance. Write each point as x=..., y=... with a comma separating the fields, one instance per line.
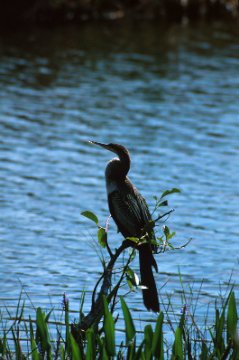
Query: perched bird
x=131, y=214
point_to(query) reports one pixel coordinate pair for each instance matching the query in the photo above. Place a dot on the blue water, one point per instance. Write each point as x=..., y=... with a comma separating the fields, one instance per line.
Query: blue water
x=169, y=94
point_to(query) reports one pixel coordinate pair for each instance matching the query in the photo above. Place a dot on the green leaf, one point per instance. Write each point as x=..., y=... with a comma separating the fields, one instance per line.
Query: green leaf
x=133, y=239
x=100, y=345
x=139, y=353
x=90, y=351
x=166, y=231
x=148, y=336
x=132, y=277
x=160, y=240
x=90, y=215
x=3, y=344
x=131, y=347
x=43, y=336
x=169, y=192
x=34, y=350
x=232, y=318
x=129, y=324
x=219, y=328
x=75, y=351
x=178, y=344
x=157, y=344
x=48, y=315
x=168, y=234
x=130, y=283
x=182, y=319
x=163, y=203
x=204, y=353
x=171, y=235
x=102, y=237
x=109, y=329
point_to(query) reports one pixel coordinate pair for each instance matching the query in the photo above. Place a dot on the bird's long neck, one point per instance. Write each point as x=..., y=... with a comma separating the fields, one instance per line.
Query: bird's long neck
x=118, y=168
x=124, y=160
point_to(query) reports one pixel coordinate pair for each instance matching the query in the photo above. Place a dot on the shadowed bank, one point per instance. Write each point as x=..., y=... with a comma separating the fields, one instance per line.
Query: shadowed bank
x=64, y=11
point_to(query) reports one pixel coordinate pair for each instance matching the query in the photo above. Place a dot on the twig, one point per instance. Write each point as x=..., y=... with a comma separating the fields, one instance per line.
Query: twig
x=117, y=286
x=107, y=224
x=97, y=308
x=95, y=288
x=162, y=216
x=183, y=246
x=109, y=250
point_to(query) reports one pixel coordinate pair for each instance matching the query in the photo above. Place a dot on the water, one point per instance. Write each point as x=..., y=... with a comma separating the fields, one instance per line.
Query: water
x=170, y=94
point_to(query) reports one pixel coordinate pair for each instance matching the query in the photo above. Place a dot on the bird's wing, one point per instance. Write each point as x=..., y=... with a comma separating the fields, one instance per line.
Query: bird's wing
x=143, y=207
x=126, y=213
x=129, y=211
x=144, y=213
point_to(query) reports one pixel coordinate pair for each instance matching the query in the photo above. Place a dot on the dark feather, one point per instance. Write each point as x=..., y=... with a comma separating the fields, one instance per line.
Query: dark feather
x=130, y=213
x=124, y=205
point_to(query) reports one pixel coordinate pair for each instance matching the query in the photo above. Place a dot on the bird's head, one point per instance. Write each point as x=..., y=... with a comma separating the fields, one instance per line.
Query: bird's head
x=118, y=149
x=116, y=168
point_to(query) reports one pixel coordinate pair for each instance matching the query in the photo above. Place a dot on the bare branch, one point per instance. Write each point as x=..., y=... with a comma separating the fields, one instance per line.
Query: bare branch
x=162, y=216
x=96, y=311
x=183, y=246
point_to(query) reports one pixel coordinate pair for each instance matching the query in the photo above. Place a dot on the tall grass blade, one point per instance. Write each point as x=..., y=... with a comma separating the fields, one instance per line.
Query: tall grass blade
x=34, y=350
x=148, y=337
x=219, y=342
x=129, y=324
x=204, y=353
x=131, y=350
x=232, y=318
x=75, y=350
x=90, y=351
x=18, y=350
x=157, y=344
x=82, y=300
x=62, y=353
x=109, y=329
x=3, y=344
x=67, y=325
x=139, y=353
x=178, y=345
x=43, y=337
x=18, y=306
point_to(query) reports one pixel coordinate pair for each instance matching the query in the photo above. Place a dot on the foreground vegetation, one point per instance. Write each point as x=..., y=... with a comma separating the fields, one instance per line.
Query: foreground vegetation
x=32, y=338
x=40, y=336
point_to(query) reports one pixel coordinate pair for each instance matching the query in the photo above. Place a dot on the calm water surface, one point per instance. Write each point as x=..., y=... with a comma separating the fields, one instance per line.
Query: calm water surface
x=171, y=95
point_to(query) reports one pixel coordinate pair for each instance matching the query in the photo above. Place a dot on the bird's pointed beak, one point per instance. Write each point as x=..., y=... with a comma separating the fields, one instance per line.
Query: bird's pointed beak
x=105, y=146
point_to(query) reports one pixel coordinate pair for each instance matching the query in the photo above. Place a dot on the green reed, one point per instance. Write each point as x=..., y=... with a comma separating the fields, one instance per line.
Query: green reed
x=100, y=342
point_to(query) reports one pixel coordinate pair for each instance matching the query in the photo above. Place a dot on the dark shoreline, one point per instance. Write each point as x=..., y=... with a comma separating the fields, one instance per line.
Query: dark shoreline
x=49, y=12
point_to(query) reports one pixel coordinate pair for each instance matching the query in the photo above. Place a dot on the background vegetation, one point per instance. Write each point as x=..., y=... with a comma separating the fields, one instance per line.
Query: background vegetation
x=68, y=11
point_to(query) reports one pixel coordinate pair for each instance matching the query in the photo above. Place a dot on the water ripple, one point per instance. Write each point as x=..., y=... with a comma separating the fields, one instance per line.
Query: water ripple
x=170, y=96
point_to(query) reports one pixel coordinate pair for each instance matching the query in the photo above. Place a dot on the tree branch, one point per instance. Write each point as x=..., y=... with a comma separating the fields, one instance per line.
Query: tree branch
x=96, y=311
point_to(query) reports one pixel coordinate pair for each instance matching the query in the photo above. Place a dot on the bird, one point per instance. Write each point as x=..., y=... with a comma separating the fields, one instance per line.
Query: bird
x=130, y=212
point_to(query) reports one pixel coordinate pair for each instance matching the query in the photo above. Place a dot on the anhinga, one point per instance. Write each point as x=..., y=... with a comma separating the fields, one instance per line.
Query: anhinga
x=131, y=214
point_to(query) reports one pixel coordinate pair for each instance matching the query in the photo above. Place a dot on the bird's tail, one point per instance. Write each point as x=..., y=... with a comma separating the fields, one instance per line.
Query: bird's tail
x=146, y=262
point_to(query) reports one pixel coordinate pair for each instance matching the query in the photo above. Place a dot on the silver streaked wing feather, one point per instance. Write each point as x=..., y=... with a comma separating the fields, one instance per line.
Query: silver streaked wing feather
x=129, y=211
